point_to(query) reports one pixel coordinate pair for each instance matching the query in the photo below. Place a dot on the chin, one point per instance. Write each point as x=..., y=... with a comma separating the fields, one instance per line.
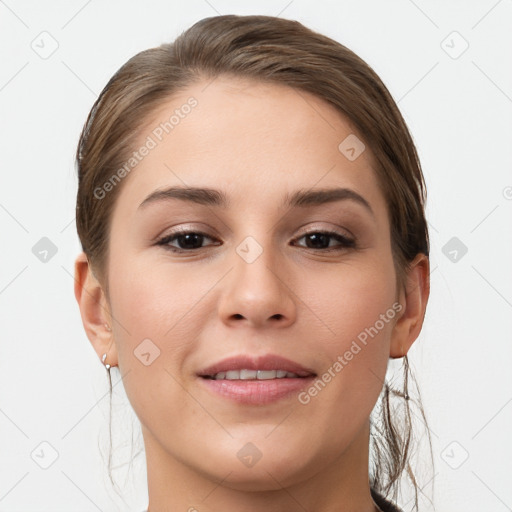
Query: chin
x=265, y=478
x=267, y=469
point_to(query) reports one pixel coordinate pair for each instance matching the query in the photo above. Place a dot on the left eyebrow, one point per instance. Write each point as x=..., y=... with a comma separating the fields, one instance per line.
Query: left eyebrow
x=299, y=199
x=313, y=197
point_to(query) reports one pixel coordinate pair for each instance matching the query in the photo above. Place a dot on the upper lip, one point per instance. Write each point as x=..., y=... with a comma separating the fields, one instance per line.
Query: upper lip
x=266, y=362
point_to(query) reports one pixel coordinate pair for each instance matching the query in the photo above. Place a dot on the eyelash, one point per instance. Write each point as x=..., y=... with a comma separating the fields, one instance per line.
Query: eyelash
x=346, y=243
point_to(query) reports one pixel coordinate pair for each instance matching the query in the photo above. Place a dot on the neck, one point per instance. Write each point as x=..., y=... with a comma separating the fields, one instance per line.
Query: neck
x=341, y=485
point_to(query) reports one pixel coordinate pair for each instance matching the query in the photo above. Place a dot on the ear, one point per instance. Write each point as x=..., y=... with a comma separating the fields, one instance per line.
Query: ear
x=94, y=310
x=413, y=299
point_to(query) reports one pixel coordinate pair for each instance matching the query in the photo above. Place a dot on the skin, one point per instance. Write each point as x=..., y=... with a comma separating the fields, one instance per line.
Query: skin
x=256, y=142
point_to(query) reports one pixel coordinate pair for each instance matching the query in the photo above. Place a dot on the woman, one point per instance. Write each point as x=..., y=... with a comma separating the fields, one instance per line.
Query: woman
x=255, y=250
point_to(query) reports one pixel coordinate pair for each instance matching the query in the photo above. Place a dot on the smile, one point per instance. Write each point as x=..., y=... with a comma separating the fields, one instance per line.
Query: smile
x=252, y=375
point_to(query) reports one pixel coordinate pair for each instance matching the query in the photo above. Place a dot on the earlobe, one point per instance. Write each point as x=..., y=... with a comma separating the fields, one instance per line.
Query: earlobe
x=413, y=299
x=94, y=310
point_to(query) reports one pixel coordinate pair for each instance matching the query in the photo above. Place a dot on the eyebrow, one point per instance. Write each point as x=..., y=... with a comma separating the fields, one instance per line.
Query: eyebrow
x=213, y=197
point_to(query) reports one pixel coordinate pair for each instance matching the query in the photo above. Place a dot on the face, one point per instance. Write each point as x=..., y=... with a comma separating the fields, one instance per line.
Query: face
x=250, y=271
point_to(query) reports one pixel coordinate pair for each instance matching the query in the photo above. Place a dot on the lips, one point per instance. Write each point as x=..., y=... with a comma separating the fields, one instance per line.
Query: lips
x=235, y=380
x=267, y=362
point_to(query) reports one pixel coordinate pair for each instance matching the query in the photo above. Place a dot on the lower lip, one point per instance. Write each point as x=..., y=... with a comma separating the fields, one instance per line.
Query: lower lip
x=257, y=392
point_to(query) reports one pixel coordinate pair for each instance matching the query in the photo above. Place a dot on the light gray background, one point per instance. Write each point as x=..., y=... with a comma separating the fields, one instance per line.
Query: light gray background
x=458, y=107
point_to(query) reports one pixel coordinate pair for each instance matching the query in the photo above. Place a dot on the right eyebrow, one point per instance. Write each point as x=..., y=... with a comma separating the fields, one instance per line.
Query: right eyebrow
x=199, y=195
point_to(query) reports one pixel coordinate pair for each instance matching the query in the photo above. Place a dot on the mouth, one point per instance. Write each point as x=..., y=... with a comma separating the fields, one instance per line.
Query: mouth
x=266, y=367
x=246, y=374
x=256, y=380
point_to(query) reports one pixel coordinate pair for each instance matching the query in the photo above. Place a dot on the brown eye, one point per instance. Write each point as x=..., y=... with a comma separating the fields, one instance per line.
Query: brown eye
x=186, y=241
x=321, y=240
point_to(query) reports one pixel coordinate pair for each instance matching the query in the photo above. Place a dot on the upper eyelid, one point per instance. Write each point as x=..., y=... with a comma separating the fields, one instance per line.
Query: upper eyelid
x=184, y=231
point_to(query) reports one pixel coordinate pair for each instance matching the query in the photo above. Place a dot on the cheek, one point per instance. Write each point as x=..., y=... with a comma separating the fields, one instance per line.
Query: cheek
x=156, y=309
x=353, y=298
x=153, y=303
x=357, y=307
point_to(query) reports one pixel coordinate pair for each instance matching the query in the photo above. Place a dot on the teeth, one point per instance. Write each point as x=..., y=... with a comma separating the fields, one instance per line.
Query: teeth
x=266, y=374
x=254, y=375
x=248, y=374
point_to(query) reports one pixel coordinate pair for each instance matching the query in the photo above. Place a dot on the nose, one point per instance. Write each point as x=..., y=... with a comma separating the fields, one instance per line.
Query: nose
x=257, y=292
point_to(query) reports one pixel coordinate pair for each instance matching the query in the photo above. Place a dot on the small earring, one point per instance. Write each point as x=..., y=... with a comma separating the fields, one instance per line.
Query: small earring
x=108, y=327
x=103, y=357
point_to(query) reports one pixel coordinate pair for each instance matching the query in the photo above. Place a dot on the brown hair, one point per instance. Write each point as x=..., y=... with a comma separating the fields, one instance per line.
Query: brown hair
x=279, y=51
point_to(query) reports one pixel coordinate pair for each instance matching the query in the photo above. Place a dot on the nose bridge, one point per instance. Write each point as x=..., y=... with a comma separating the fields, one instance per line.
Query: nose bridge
x=257, y=290
x=257, y=266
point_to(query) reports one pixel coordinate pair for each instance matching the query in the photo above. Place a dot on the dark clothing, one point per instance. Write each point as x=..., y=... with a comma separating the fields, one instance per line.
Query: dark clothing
x=384, y=504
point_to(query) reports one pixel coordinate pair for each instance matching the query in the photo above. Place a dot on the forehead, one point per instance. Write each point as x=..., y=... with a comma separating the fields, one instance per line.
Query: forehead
x=250, y=113
x=257, y=140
